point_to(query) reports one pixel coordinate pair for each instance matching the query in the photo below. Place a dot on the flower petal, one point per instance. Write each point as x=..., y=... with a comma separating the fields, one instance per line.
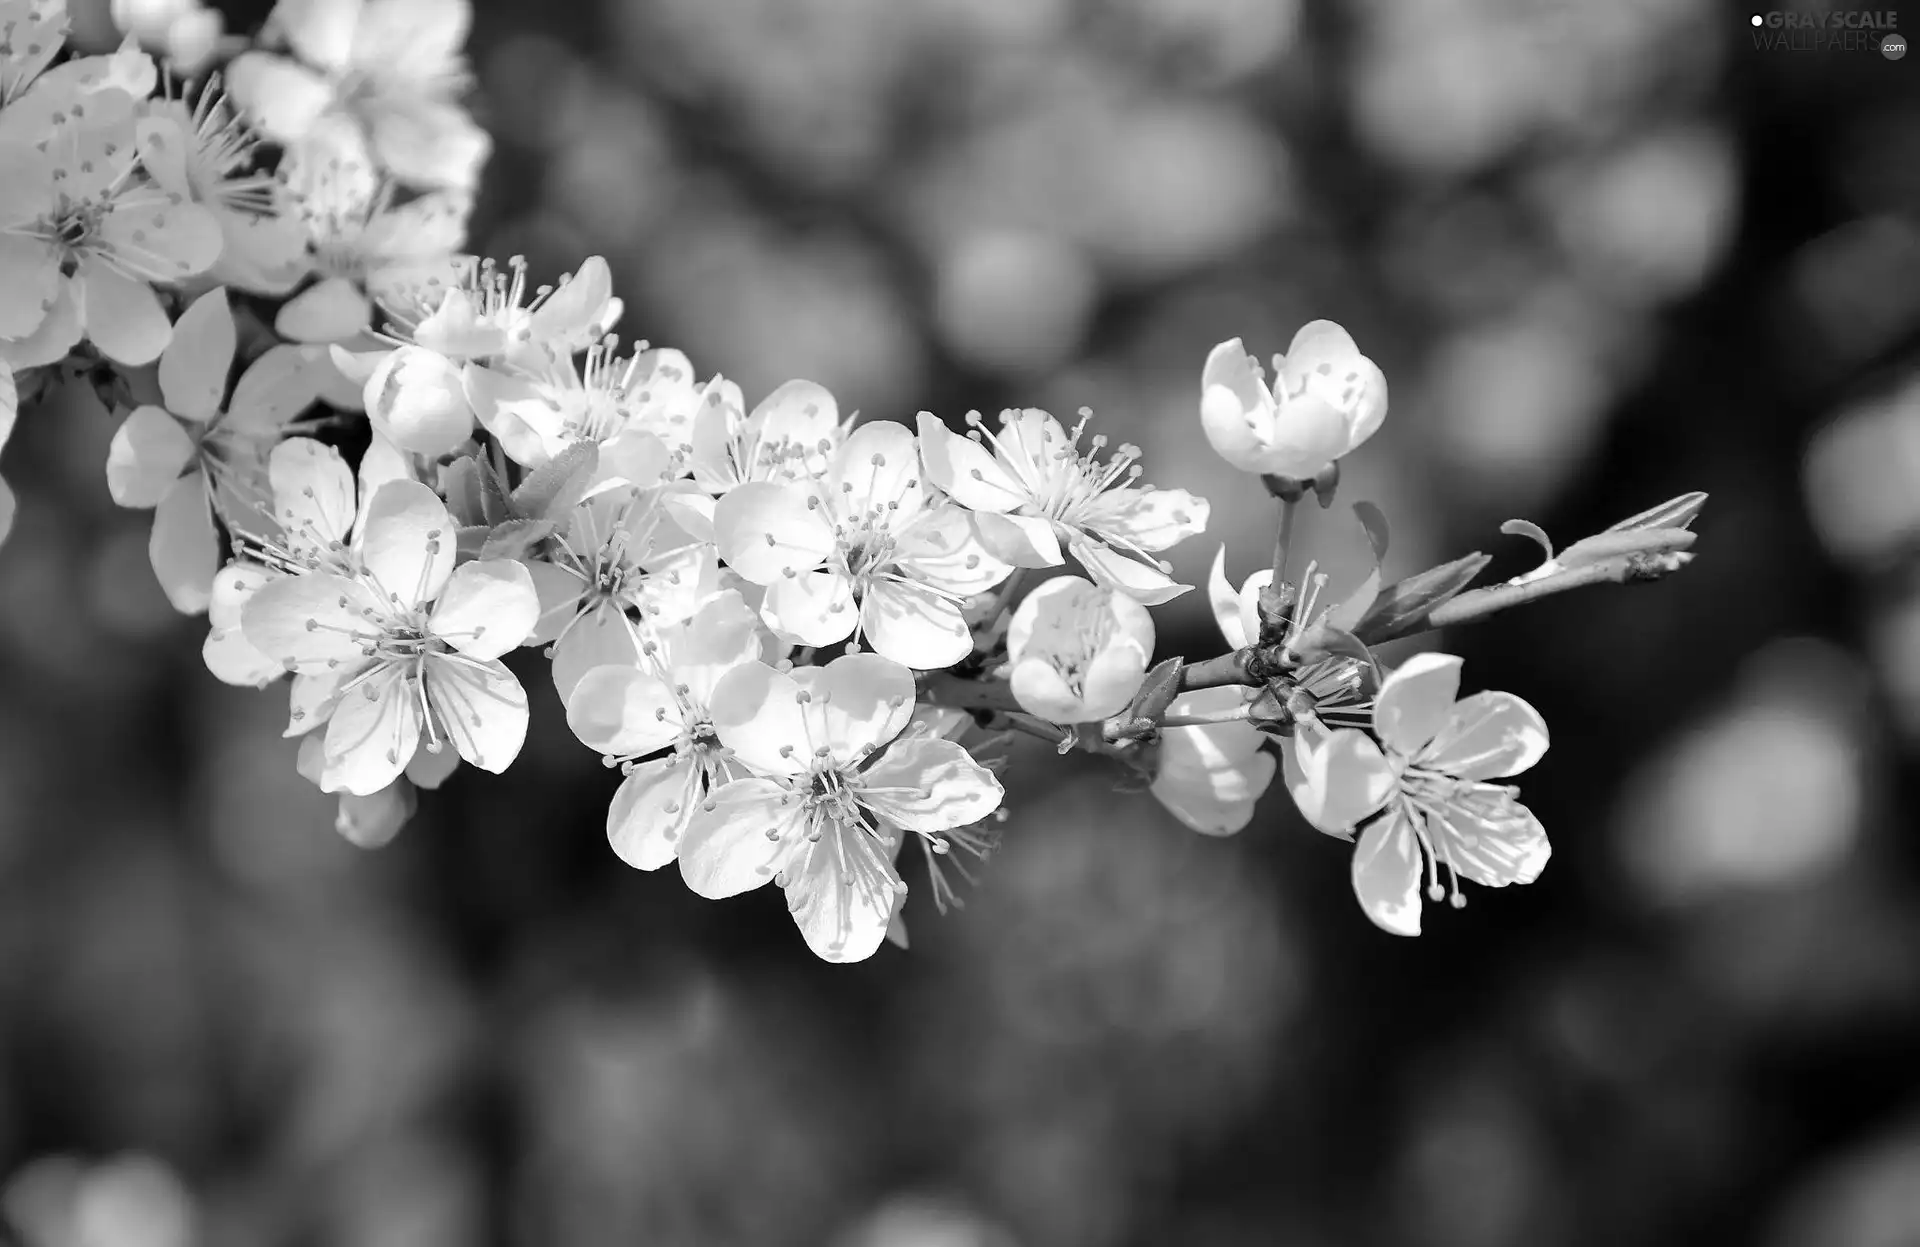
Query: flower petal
x=740, y=837
x=1386, y=874
x=767, y=530
x=487, y=608
x=313, y=622
x=624, y=712
x=147, y=455
x=333, y=309
x=193, y=369
x=599, y=637
x=373, y=733
x=967, y=471
x=1021, y=540
x=929, y=786
x=282, y=98
x=30, y=274
x=407, y=543
x=813, y=608
x=1144, y=582
x=798, y=416
x=843, y=914
x=313, y=495
x=1226, y=603
x=858, y=702
x=876, y=475
x=1211, y=777
x=183, y=547
x=274, y=389
x=1151, y=519
x=1040, y=688
x=1343, y=778
x=123, y=316
x=912, y=624
x=1491, y=851
x=651, y=811
x=757, y=712
x=1488, y=735
x=1416, y=701
x=480, y=706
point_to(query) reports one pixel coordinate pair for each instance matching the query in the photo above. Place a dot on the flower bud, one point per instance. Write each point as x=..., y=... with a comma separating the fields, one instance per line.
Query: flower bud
x=416, y=398
x=1326, y=399
x=1079, y=652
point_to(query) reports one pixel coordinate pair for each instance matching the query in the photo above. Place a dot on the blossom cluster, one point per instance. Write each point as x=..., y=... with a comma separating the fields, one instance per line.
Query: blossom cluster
x=380, y=466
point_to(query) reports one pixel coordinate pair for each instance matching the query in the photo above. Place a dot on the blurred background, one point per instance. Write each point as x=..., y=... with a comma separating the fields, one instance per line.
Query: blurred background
x=1606, y=253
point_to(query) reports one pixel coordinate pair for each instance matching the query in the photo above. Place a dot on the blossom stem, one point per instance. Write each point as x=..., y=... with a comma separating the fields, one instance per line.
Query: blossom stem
x=1233, y=714
x=1283, y=539
x=1255, y=665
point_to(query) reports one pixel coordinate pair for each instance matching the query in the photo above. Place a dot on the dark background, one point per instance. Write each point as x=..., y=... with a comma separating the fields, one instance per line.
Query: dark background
x=1605, y=253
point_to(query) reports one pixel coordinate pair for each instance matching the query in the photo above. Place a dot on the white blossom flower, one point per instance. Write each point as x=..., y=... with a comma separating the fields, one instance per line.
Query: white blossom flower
x=1326, y=399
x=184, y=32
x=483, y=313
x=206, y=153
x=619, y=554
x=862, y=552
x=1033, y=491
x=370, y=821
x=1211, y=775
x=536, y=412
x=393, y=66
x=630, y=713
x=788, y=436
x=823, y=813
x=410, y=644
x=363, y=248
x=418, y=399
x=1078, y=651
x=203, y=453
x=1427, y=793
x=84, y=237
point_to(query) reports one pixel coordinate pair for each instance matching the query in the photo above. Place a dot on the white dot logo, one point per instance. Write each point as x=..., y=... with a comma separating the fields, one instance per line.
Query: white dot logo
x=1758, y=20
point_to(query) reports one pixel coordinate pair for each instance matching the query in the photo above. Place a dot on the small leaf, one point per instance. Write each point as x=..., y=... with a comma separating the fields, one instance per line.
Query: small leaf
x=1269, y=712
x=555, y=487
x=1619, y=543
x=468, y=541
x=1673, y=513
x=496, y=506
x=1157, y=691
x=1403, y=605
x=1527, y=528
x=1374, y=520
x=460, y=482
x=515, y=539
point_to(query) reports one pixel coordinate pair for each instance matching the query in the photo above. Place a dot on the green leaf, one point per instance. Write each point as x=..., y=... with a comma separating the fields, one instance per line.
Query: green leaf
x=1673, y=513
x=1374, y=520
x=1619, y=543
x=496, y=507
x=515, y=539
x=1403, y=605
x=468, y=541
x=1157, y=691
x=460, y=482
x=1527, y=528
x=554, y=488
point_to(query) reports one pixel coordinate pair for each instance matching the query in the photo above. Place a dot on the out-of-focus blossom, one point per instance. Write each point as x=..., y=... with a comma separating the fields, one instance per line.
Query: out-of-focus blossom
x=1860, y=477
x=393, y=66
x=865, y=551
x=184, y=33
x=207, y=154
x=364, y=248
x=1326, y=398
x=129, y=1201
x=204, y=454
x=821, y=814
x=1036, y=492
x=1078, y=651
x=631, y=712
x=1426, y=794
x=411, y=645
x=620, y=551
x=84, y=239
